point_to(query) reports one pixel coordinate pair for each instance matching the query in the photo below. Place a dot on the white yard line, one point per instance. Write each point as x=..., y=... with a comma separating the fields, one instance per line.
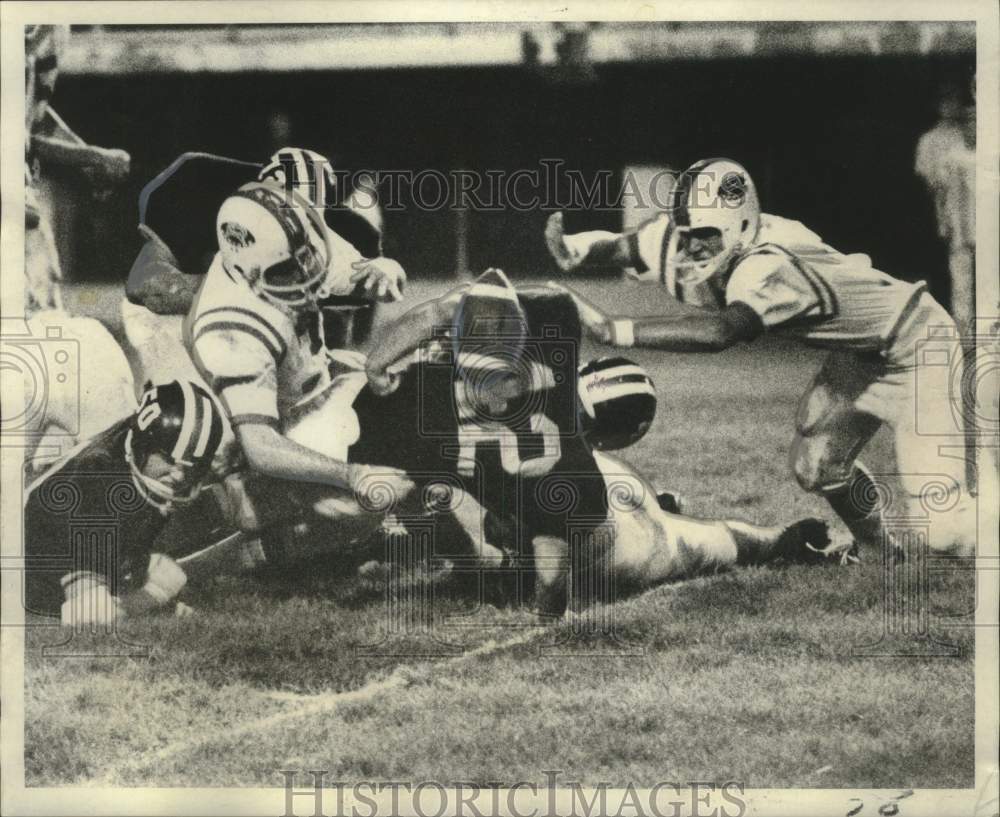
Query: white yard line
x=308, y=705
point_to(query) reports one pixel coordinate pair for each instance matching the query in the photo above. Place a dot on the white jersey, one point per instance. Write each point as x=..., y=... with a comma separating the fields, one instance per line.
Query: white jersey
x=256, y=356
x=799, y=286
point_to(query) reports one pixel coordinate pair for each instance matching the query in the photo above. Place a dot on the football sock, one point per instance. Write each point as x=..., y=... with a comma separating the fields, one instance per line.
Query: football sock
x=857, y=503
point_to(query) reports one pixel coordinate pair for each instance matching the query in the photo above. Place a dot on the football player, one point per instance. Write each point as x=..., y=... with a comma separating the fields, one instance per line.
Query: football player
x=177, y=212
x=252, y=333
x=91, y=519
x=84, y=383
x=755, y=273
x=494, y=406
x=49, y=141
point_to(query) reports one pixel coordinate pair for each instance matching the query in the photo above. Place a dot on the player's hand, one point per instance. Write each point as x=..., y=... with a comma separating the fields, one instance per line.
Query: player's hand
x=555, y=239
x=383, y=277
x=383, y=382
x=164, y=578
x=379, y=488
x=594, y=321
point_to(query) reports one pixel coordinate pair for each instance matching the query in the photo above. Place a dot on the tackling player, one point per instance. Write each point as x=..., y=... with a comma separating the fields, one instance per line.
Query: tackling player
x=91, y=519
x=756, y=273
x=497, y=401
x=177, y=212
x=252, y=333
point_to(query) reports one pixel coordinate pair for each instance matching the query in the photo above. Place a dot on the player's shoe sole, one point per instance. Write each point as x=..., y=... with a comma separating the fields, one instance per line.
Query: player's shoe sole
x=808, y=542
x=670, y=502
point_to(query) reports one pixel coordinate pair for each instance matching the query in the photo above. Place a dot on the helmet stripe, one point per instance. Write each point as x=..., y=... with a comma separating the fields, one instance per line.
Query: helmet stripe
x=492, y=291
x=187, y=423
x=302, y=175
x=622, y=390
x=614, y=370
x=206, y=426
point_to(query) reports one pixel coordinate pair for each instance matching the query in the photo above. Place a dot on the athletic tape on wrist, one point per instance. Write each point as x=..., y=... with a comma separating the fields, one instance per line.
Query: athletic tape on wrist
x=623, y=333
x=160, y=595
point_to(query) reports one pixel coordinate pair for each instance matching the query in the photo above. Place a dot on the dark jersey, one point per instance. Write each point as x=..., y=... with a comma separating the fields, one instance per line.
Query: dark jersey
x=530, y=467
x=85, y=514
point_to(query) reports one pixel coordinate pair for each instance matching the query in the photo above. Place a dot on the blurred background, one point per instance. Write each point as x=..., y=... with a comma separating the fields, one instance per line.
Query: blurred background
x=826, y=116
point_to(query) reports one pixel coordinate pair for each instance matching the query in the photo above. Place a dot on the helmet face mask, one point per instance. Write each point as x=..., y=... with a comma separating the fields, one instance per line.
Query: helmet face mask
x=162, y=482
x=172, y=441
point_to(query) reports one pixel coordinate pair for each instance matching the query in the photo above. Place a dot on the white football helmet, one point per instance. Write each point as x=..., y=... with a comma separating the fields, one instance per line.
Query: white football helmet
x=306, y=172
x=276, y=241
x=712, y=197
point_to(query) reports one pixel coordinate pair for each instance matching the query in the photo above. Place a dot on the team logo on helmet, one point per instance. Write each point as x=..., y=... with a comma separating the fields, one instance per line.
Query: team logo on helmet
x=237, y=235
x=733, y=188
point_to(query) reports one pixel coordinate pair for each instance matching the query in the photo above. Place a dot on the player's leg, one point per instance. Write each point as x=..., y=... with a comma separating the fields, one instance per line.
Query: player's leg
x=42, y=270
x=922, y=399
x=831, y=430
x=154, y=342
x=652, y=546
x=90, y=386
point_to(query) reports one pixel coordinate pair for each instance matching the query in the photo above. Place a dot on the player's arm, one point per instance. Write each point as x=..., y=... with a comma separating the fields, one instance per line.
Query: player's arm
x=269, y=452
x=154, y=281
x=59, y=144
x=592, y=248
x=405, y=335
x=707, y=331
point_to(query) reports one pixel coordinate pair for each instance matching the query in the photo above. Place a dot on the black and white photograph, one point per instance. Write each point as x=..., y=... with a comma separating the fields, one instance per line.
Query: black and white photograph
x=500, y=409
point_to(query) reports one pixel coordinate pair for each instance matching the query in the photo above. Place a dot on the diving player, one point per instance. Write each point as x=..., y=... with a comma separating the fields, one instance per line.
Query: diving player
x=91, y=519
x=493, y=401
x=755, y=273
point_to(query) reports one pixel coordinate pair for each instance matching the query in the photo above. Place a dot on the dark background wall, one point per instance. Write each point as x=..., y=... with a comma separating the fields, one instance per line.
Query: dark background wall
x=830, y=142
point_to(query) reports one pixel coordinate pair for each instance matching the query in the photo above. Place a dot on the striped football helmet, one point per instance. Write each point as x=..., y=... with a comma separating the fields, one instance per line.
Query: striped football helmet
x=276, y=241
x=489, y=328
x=180, y=422
x=617, y=402
x=306, y=172
x=715, y=216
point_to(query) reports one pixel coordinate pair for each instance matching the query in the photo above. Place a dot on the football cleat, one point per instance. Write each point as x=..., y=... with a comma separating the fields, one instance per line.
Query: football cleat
x=807, y=541
x=670, y=502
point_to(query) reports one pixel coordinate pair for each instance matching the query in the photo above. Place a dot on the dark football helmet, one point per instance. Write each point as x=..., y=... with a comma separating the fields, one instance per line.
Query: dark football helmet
x=617, y=402
x=180, y=422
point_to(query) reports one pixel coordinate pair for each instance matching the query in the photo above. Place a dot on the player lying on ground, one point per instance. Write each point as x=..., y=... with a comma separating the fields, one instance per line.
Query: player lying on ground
x=755, y=273
x=177, y=213
x=492, y=406
x=135, y=474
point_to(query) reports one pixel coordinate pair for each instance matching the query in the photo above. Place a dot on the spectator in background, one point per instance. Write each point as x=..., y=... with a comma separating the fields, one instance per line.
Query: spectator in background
x=946, y=162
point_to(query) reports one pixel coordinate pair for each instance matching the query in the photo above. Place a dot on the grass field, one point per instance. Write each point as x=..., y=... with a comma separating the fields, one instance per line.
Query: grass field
x=751, y=676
